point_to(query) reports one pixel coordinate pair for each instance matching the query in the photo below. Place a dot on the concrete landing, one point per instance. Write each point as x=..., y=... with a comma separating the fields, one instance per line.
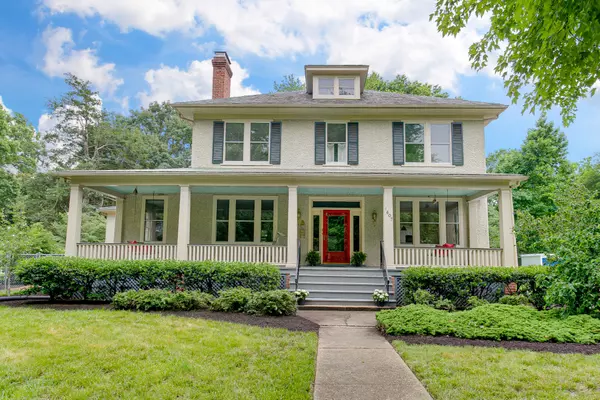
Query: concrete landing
x=355, y=362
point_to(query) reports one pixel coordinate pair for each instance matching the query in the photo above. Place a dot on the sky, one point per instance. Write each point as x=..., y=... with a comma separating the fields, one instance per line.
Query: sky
x=138, y=51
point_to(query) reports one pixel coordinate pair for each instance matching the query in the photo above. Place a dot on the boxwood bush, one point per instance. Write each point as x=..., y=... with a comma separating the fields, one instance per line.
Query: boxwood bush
x=459, y=284
x=161, y=300
x=273, y=302
x=232, y=300
x=491, y=321
x=78, y=278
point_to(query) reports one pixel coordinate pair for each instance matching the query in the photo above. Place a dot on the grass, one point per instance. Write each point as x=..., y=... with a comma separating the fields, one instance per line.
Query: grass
x=466, y=373
x=493, y=322
x=103, y=354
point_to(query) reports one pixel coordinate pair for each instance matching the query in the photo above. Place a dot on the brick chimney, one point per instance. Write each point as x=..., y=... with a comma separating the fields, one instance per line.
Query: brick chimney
x=221, y=75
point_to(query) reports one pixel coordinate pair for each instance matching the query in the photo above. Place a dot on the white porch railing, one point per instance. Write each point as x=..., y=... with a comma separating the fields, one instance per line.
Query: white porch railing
x=242, y=253
x=447, y=257
x=127, y=251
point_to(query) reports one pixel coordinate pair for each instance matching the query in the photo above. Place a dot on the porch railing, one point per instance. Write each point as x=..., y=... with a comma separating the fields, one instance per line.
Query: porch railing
x=127, y=251
x=242, y=253
x=383, y=266
x=447, y=257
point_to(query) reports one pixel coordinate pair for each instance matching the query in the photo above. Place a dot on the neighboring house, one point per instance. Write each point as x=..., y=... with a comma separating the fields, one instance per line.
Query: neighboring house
x=336, y=169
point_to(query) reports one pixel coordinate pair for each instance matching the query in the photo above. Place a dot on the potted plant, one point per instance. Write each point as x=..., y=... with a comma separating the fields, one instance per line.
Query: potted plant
x=313, y=258
x=358, y=258
x=380, y=297
x=301, y=295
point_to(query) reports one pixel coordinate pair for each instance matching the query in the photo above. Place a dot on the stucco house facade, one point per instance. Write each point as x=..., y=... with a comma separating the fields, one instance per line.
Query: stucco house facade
x=336, y=169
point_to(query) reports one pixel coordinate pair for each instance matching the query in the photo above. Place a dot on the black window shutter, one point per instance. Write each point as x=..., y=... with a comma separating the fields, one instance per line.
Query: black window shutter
x=276, y=143
x=457, y=144
x=319, y=143
x=353, y=143
x=218, y=138
x=398, y=142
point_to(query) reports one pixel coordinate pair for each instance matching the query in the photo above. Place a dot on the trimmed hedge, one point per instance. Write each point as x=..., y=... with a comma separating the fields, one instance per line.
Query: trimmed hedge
x=491, y=321
x=273, y=302
x=458, y=284
x=79, y=278
x=161, y=300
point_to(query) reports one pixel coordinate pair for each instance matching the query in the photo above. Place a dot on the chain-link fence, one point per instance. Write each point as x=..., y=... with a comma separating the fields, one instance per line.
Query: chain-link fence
x=9, y=282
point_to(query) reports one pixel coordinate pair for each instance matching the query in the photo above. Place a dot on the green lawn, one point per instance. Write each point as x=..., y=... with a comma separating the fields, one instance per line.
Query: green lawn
x=484, y=373
x=105, y=354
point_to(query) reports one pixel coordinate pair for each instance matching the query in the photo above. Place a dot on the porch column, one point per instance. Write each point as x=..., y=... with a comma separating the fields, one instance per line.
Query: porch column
x=479, y=236
x=74, y=221
x=118, y=238
x=508, y=241
x=388, y=225
x=292, y=227
x=183, y=228
x=111, y=219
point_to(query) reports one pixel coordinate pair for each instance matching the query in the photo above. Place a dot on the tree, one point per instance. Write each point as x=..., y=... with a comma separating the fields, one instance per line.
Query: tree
x=20, y=145
x=589, y=174
x=400, y=84
x=552, y=47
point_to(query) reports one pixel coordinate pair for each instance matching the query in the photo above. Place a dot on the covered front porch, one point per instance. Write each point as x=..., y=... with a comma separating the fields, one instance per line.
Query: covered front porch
x=398, y=220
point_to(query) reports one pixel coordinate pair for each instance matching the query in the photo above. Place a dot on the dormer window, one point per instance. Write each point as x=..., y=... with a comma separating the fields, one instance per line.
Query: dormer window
x=336, y=87
x=326, y=86
x=346, y=86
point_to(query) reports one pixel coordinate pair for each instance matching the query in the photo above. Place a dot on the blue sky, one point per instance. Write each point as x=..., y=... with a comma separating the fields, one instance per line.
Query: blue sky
x=137, y=51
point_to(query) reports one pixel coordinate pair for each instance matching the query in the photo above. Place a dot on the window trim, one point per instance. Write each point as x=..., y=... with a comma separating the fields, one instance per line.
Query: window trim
x=247, y=142
x=336, y=87
x=143, y=217
x=462, y=220
x=334, y=163
x=257, y=219
x=427, y=143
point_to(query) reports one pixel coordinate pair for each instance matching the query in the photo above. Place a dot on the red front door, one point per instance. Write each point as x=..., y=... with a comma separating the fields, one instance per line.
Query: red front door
x=336, y=236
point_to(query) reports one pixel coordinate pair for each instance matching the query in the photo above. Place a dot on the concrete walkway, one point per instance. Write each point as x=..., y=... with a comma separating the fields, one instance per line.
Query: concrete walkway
x=355, y=362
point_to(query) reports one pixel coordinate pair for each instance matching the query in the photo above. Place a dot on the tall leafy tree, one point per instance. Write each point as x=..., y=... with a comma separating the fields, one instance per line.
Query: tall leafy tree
x=552, y=47
x=20, y=145
x=589, y=174
x=289, y=83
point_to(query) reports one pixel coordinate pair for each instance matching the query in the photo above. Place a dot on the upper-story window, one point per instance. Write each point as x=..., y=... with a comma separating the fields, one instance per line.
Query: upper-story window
x=337, y=147
x=247, y=142
x=427, y=143
x=329, y=87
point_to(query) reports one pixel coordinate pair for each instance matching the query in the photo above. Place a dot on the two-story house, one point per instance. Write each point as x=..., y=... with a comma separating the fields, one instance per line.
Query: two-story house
x=336, y=169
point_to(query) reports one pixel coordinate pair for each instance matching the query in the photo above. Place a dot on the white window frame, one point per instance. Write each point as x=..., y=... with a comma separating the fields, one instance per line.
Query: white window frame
x=257, y=219
x=336, y=87
x=345, y=123
x=143, y=217
x=462, y=229
x=427, y=143
x=247, y=143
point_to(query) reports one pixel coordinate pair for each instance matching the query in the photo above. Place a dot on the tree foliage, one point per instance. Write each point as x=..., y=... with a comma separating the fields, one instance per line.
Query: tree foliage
x=20, y=145
x=289, y=83
x=552, y=47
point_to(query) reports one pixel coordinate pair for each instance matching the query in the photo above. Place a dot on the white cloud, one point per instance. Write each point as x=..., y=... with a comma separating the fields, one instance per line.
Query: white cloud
x=175, y=84
x=61, y=58
x=46, y=123
x=4, y=106
x=392, y=36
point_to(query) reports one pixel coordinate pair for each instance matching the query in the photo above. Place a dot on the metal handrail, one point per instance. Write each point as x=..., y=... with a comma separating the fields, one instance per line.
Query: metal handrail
x=383, y=266
x=297, y=268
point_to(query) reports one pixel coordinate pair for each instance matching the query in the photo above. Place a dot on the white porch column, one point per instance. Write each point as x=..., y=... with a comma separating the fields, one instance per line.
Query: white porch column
x=388, y=225
x=479, y=234
x=74, y=221
x=292, y=227
x=111, y=218
x=118, y=238
x=508, y=242
x=183, y=228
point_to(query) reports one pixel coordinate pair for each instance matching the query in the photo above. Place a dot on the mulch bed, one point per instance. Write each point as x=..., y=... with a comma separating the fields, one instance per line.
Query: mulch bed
x=292, y=323
x=560, y=348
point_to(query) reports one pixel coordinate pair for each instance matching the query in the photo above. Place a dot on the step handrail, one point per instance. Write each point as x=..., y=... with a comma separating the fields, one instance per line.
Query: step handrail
x=383, y=266
x=297, y=267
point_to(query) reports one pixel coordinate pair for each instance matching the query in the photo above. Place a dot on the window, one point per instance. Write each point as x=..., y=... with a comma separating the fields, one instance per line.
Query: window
x=326, y=86
x=429, y=222
x=315, y=232
x=406, y=222
x=247, y=142
x=154, y=217
x=336, y=144
x=346, y=86
x=244, y=220
x=414, y=135
x=452, y=222
x=356, y=232
x=440, y=143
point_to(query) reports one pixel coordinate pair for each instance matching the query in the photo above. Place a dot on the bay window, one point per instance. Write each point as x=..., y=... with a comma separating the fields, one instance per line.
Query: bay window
x=247, y=142
x=428, y=222
x=427, y=143
x=244, y=220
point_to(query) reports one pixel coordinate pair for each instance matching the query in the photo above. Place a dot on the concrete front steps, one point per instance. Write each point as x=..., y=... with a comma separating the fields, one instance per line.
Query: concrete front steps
x=344, y=287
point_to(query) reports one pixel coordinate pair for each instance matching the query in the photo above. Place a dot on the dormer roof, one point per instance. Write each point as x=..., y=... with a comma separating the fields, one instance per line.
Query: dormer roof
x=335, y=70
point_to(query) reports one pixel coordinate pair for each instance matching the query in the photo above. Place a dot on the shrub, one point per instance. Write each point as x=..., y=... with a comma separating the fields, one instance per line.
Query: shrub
x=273, y=302
x=444, y=304
x=313, y=258
x=423, y=297
x=475, y=301
x=161, y=300
x=491, y=321
x=515, y=300
x=458, y=284
x=358, y=258
x=232, y=300
x=69, y=277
